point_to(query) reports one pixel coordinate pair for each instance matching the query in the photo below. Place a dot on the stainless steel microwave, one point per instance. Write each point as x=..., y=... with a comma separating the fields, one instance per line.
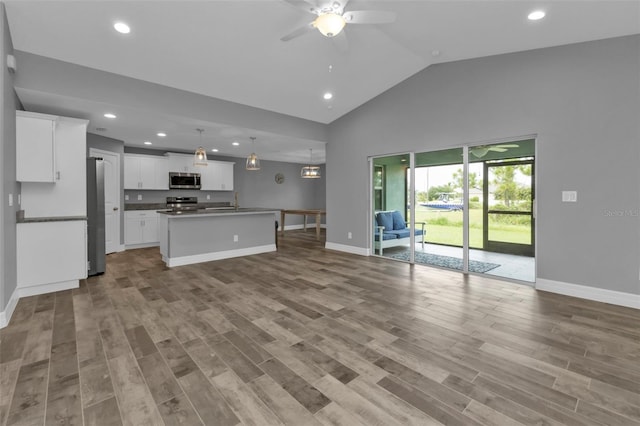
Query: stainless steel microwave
x=184, y=180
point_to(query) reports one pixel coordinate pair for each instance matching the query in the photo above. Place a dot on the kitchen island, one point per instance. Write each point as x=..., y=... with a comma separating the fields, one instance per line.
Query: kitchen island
x=196, y=236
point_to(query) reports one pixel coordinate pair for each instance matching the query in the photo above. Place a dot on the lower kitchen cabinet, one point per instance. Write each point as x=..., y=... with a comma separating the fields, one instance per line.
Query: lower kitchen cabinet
x=141, y=228
x=51, y=256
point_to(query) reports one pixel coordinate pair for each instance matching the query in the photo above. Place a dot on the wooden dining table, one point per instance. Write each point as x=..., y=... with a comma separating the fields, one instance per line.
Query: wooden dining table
x=305, y=212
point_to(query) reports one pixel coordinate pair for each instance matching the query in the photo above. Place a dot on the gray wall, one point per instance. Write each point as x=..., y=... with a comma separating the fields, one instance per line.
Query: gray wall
x=583, y=103
x=8, y=185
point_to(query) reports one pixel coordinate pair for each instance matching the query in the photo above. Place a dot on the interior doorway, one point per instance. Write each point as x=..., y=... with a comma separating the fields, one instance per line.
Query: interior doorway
x=112, y=208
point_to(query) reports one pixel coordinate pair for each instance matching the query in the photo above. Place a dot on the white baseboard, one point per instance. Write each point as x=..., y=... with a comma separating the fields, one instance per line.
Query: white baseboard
x=348, y=249
x=5, y=316
x=121, y=247
x=218, y=255
x=142, y=245
x=311, y=226
x=629, y=300
x=35, y=290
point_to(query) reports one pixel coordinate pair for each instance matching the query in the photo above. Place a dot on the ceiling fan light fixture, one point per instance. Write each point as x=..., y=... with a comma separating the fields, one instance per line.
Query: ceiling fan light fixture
x=480, y=151
x=329, y=24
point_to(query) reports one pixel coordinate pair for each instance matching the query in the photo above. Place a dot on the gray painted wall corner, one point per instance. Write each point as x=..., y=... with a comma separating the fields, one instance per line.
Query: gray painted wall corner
x=9, y=104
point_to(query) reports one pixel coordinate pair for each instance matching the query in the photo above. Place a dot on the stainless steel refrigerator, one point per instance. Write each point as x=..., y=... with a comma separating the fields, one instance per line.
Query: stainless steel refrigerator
x=95, y=216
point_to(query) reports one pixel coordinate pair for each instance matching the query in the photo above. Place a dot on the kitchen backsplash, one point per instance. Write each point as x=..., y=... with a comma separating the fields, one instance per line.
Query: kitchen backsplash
x=161, y=196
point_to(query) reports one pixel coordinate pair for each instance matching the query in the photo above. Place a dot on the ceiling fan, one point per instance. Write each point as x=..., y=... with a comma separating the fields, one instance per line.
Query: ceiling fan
x=482, y=150
x=331, y=17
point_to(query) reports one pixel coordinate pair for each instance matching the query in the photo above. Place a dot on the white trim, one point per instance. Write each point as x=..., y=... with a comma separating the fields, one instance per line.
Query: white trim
x=218, y=255
x=35, y=290
x=121, y=247
x=348, y=249
x=141, y=245
x=629, y=300
x=311, y=226
x=5, y=316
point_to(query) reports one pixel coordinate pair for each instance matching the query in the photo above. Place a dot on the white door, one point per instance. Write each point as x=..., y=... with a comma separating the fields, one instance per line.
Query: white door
x=111, y=198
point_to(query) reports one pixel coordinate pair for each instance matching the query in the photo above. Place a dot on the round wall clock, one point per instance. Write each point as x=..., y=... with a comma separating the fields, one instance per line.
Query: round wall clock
x=279, y=178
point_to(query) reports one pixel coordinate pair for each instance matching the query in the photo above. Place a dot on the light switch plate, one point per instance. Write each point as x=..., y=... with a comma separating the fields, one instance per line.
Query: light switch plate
x=139, y=197
x=569, y=196
x=10, y=200
x=208, y=197
x=126, y=197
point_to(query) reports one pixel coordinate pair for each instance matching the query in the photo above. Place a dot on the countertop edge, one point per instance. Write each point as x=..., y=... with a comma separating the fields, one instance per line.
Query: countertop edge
x=201, y=213
x=50, y=219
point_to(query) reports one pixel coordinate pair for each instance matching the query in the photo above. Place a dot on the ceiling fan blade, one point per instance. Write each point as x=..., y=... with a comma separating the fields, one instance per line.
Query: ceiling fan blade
x=497, y=149
x=341, y=5
x=298, y=32
x=369, y=17
x=341, y=41
x=509, y=145
x=309, y=7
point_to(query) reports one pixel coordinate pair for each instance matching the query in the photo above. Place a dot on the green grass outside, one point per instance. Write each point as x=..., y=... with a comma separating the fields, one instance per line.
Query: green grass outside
x=445, y=227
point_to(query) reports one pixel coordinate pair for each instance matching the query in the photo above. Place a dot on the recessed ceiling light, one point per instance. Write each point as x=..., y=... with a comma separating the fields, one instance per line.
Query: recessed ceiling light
x=162, y=134
x=147, y=143
x=122, y=28
x=235, y=143
x=214, y=149
x=109, y=115
x=536, y=15
x=327, y=96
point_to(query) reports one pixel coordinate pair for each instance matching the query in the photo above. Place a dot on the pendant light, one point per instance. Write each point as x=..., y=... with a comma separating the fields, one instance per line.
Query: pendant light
x=253, y=163
x=310, y=172
x=200, y=157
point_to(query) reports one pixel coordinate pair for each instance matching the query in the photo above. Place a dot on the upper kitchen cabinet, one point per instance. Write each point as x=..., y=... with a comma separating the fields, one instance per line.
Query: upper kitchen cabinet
x=35, y=147
x=146, y=172
x=218, y=177
x=182, y=163
x=61, y=191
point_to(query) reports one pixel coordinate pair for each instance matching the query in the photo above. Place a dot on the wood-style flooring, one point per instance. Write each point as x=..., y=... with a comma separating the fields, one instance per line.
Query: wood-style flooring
x=308, y=336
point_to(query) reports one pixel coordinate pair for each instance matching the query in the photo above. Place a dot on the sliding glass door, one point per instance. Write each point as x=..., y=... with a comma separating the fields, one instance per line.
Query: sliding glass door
x=473, y=212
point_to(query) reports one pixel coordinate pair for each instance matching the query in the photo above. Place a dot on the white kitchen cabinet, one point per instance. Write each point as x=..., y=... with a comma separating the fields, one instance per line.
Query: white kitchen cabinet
x=217, y=176
x=223, y=175
x=146, y=172
x=182, y=163
x=67, y=196
x=50, y=256
x=141, y=228
x=35, y=147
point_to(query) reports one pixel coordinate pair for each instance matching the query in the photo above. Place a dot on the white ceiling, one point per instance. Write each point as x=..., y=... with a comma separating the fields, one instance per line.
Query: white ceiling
x=231, y=50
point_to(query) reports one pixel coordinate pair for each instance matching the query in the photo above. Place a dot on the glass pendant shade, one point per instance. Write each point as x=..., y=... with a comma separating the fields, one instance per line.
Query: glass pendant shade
x=253, y=162
x=200, y=157
x=310, y=172
x=329, y=24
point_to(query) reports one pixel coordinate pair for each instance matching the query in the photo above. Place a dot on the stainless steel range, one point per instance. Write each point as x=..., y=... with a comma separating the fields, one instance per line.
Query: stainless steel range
x=179, y=204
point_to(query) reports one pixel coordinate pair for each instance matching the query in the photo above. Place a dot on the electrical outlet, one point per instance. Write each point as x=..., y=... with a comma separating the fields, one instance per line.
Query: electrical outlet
x=139, y=197
x=19, y=199
x=349, y=235
x=569, y=196
x=235, y=238
x=208, y=197
x=10, y=200
x=126, y=197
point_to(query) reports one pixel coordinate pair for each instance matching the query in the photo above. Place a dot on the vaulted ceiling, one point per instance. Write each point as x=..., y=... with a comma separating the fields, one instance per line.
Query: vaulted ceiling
x=231, y=51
